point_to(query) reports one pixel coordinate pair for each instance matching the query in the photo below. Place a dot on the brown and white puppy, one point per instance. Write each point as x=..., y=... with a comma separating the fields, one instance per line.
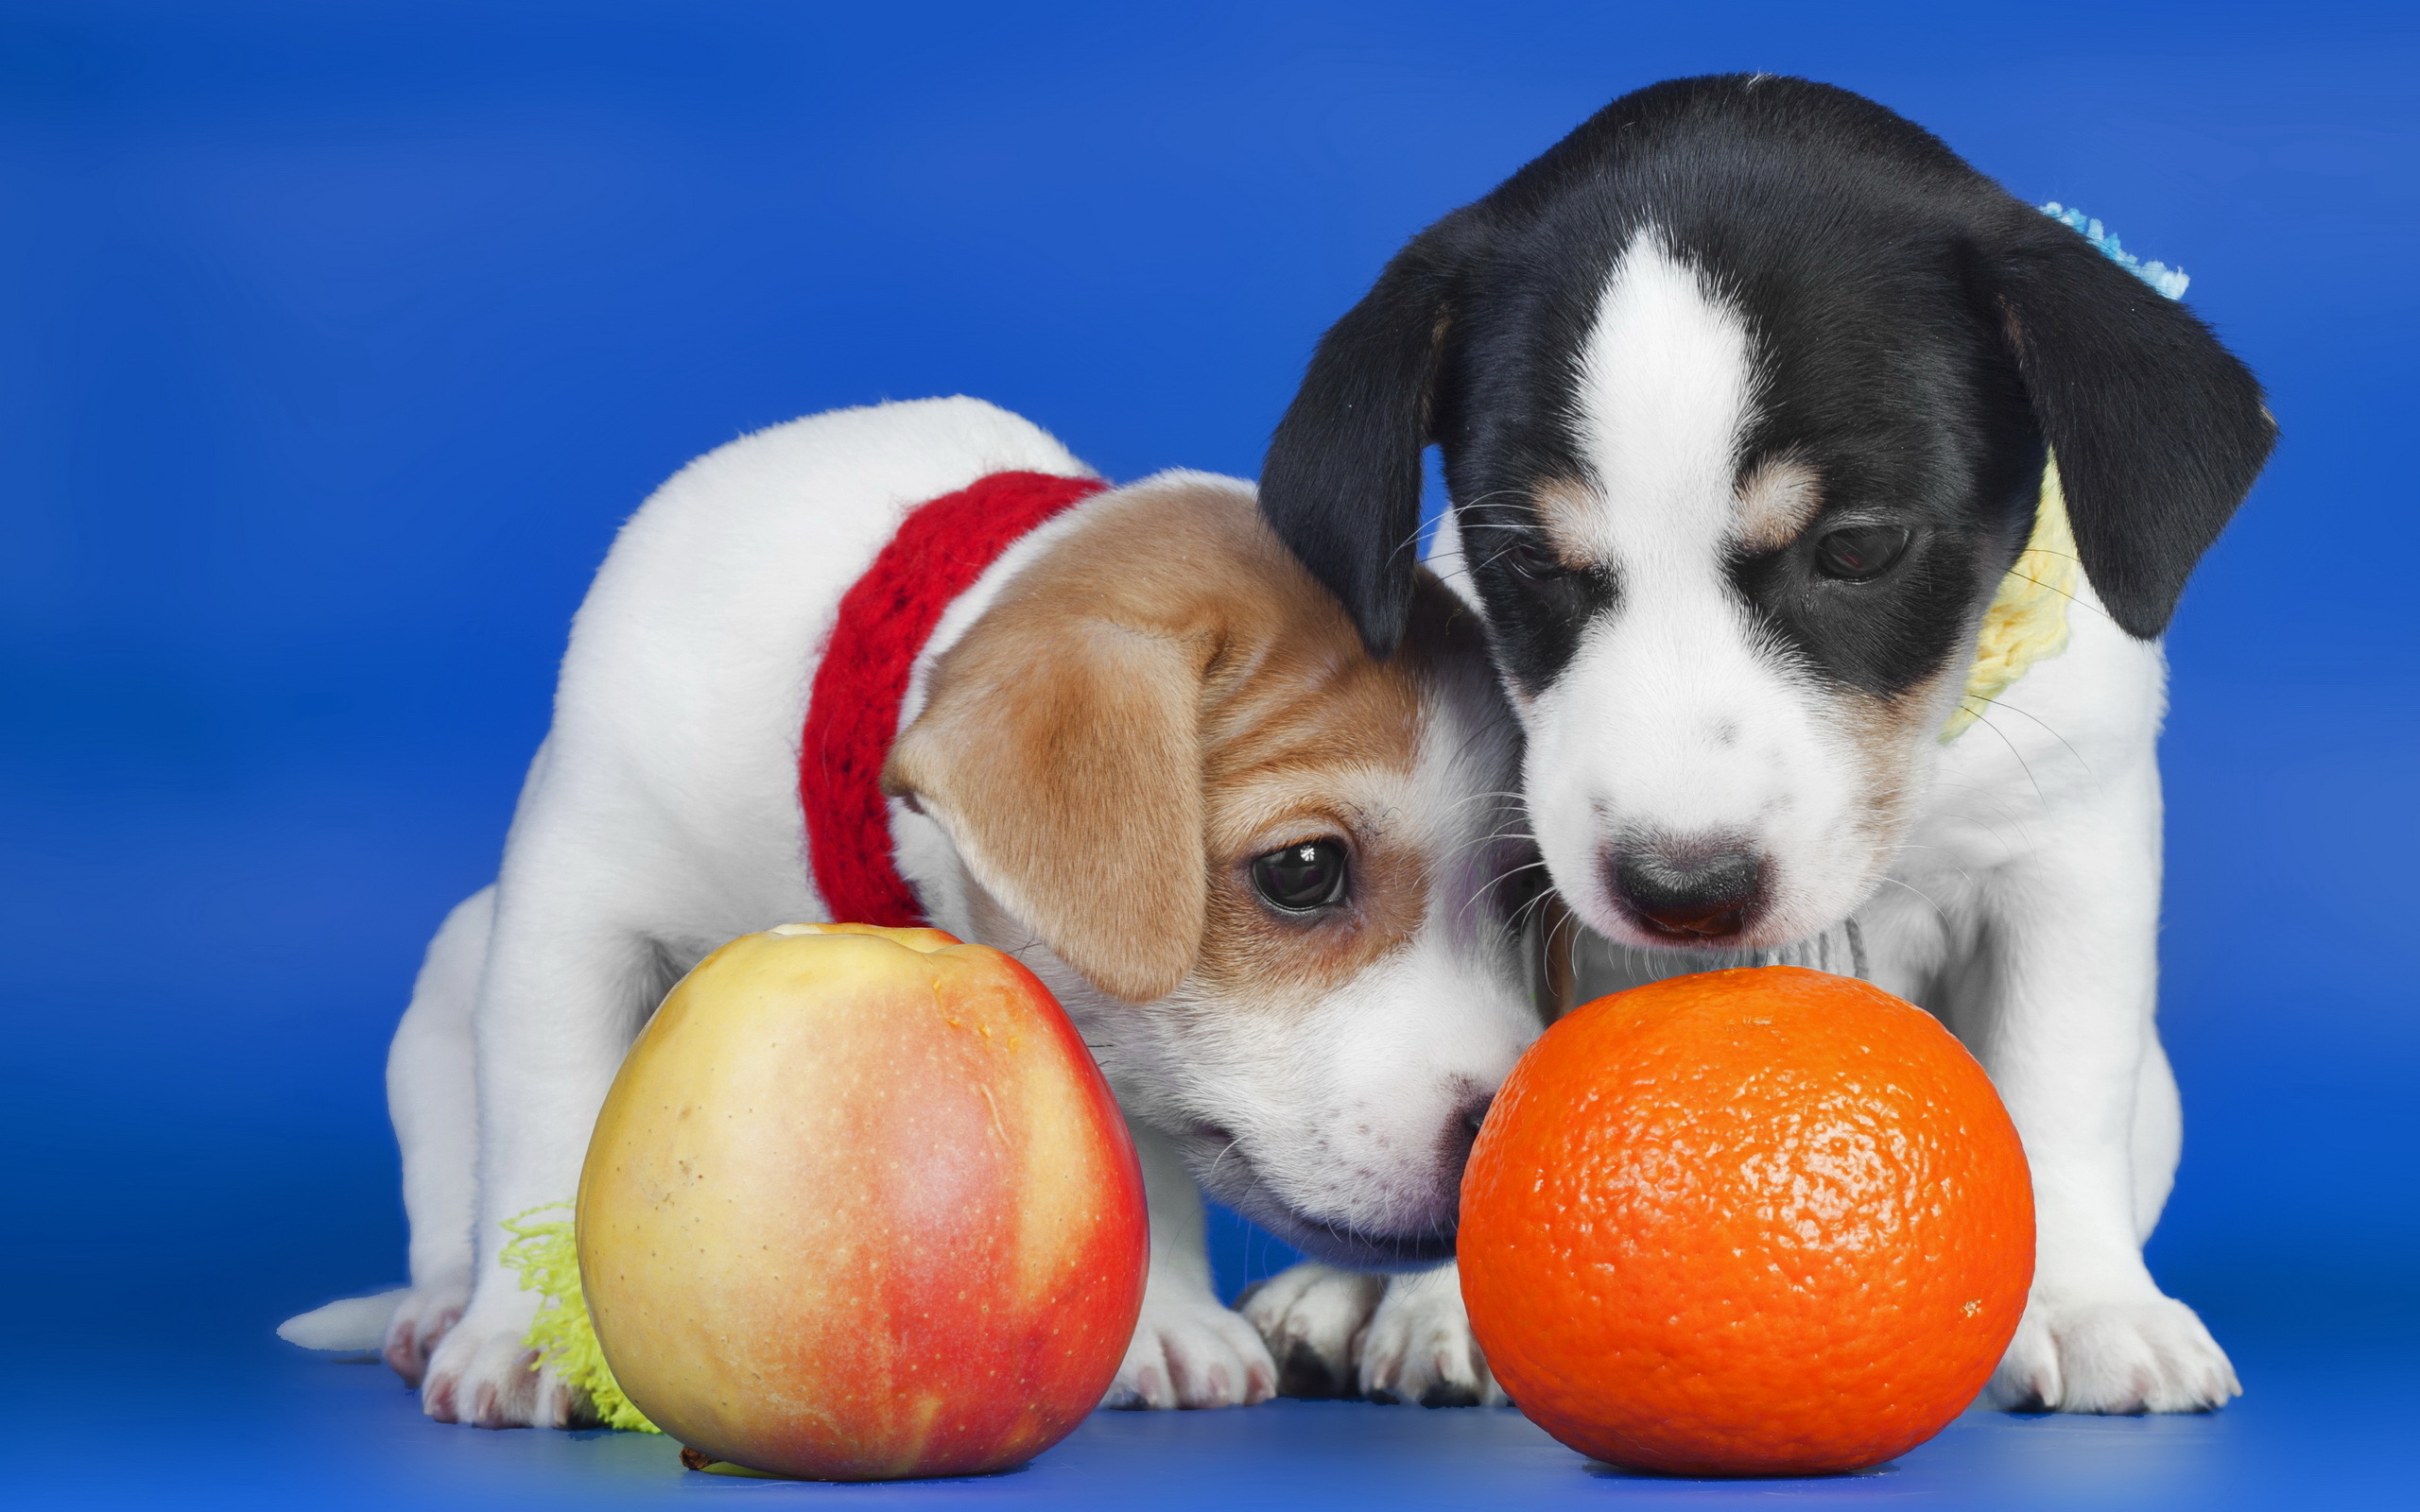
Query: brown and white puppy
x=1145, y=754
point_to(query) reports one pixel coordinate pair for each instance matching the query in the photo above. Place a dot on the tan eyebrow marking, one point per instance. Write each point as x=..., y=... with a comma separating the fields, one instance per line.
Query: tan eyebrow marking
x=1565, y=509
x=1777, y=500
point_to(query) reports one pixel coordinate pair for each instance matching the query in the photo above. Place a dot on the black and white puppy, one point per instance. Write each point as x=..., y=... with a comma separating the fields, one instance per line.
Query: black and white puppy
x=1746, y=392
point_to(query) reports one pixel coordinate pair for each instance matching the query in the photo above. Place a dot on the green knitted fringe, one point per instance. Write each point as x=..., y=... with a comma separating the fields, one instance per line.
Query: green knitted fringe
x=546, y=1255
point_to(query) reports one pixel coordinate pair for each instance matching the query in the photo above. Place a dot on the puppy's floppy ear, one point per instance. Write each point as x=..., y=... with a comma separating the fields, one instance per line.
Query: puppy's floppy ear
x=1341, y=485
x=2158, y=430
x=1063, y=755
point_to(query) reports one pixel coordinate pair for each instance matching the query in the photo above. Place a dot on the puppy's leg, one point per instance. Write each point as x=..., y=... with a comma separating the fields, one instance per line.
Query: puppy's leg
x=563, y=993
x=432, y=1097
x=1189, y=1349
x=1419, y=1348
x=1313, y=1317
x=2159, y=1135
x=2069, y=976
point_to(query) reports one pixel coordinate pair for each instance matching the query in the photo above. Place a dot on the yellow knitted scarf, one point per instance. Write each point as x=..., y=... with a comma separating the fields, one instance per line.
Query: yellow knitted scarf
x=2027, y=619
x=546, y=1256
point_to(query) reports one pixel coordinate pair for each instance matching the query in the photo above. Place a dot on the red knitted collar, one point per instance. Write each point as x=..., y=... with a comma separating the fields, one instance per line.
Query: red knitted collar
x=861, y=683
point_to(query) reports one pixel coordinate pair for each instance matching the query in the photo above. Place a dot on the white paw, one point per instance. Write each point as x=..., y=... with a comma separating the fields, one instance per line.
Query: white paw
x=483, y=1374
x=1189, y=1351
x=1312, y=1317
x=2147, y=1355
x=418, y=1325
x=1419, y=1346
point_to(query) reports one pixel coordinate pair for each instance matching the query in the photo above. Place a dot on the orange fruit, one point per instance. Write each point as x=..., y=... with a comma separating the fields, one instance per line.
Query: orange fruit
x=1758, y=1222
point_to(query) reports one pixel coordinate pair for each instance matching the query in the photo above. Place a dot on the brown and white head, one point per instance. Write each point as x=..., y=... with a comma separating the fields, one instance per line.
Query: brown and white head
x=1276, y=879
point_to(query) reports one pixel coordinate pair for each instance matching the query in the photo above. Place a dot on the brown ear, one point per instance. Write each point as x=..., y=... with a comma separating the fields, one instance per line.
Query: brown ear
x=1061, y=753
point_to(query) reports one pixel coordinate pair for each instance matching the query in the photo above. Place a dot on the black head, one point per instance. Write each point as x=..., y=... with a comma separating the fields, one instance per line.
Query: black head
x=1922, y=330
x=1745, y=390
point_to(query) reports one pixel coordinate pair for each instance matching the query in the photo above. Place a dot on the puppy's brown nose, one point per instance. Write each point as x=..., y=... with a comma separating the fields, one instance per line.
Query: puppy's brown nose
x=1695, y=890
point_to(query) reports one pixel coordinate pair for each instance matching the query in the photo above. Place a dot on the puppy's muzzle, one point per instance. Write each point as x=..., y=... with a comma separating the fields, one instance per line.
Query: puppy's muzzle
x=1413, y=1224
x=1688, y=889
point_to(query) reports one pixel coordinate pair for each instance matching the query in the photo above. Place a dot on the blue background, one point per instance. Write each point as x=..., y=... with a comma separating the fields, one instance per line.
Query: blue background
x=335, y=341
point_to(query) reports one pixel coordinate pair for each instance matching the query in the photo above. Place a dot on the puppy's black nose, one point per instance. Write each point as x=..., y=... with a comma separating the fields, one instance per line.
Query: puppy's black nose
x=1474, y=1115
x=1463, y=1119
x=1693, y=889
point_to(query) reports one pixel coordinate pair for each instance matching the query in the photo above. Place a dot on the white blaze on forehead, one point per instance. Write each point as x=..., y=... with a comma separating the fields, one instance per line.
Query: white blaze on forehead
x=1679, y=716
x=1667, y=380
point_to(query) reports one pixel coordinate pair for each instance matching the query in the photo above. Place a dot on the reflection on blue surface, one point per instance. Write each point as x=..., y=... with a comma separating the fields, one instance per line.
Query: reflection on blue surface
x=2329, y=1430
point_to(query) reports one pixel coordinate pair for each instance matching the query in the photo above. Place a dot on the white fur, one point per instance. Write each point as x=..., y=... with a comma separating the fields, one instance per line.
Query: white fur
x=351, y=1325
x=1189, y=1349
x=660, y=818
x=1315, y=1317
x=2029, y=890
x=2021, y=904
x=1633, y=733
x=1419, y=1348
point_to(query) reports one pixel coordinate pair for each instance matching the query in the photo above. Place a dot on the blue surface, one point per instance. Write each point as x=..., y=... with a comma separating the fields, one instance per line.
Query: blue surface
x=2329, y=1429
x=335, y=340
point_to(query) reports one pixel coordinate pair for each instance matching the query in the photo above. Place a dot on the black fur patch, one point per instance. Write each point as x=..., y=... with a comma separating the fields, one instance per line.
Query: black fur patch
x=1921, y=336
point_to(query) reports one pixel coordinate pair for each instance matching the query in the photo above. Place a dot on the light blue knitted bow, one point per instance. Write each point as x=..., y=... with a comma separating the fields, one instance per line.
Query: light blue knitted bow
x=2168, y=281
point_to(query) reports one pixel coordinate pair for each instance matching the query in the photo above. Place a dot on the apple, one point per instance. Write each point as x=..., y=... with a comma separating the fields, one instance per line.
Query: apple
x=861, y=1207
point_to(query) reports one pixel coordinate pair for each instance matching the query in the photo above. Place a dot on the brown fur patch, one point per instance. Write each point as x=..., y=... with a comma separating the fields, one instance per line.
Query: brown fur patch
x=1555, y=932
x=1324, y=743
x=1565, y=509
x=1779, y=498
x=1164, y=696
x=1888, y=735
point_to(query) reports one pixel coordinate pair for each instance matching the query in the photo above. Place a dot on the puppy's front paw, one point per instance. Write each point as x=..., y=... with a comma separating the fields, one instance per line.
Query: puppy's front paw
x=484, y=1375
x=2138, y=1355
x=1419, y=1348
x=1312, y=1316
x=1189, y=1351
x=418, y=1325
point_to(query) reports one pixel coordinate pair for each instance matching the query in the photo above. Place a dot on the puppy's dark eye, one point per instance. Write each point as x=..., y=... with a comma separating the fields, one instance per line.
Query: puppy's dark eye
x=1534, y=558
x=1300, y=877
x=1860, y=551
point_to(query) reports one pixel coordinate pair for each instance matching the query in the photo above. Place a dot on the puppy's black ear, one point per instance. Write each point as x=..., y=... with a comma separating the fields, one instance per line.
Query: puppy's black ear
x=1341, y=483
x=2158, y=430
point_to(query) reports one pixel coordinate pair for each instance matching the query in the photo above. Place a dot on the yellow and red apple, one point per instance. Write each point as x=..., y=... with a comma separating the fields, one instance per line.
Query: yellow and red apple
x=860, y=1205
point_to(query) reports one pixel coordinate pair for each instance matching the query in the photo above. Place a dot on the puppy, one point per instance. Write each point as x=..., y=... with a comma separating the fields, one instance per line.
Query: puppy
x=1130, y=740
x=1750, y=393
